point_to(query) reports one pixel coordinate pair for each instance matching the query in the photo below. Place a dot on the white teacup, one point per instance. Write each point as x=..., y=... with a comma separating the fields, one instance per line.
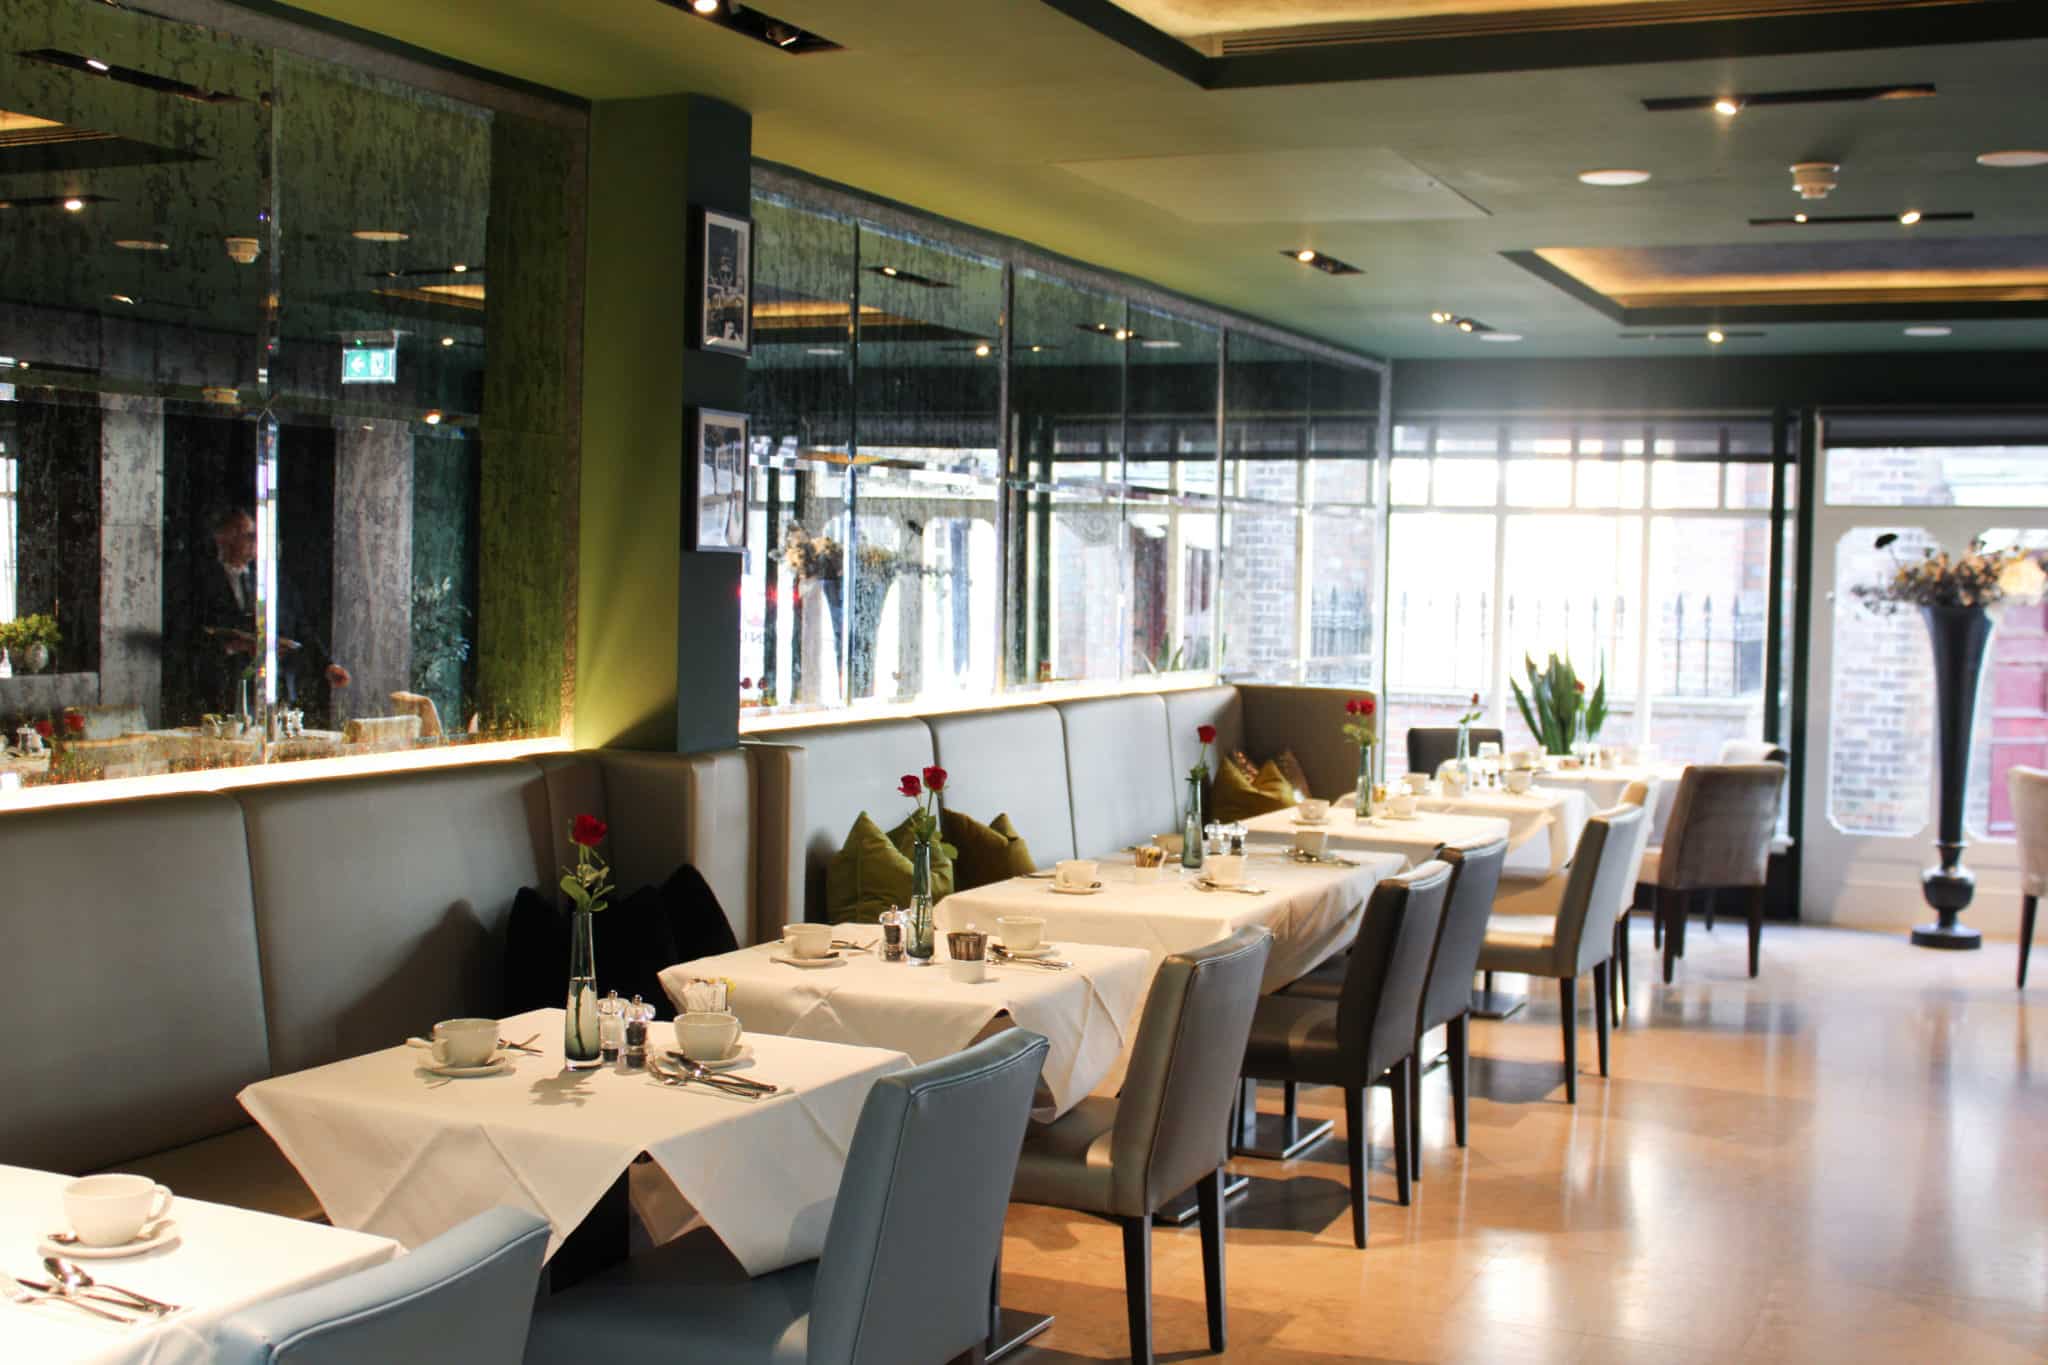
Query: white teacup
x=108, y=1210
x=968, y=970
x=1313, y=842
x=1401, y=804
x=1225, y=869
x=707, y=1036
x=1315, y=810
x=1519, y=780
x=807, y=940
x=1417, y=783
x=465, y=1042
x=1078, y=873
x=1021, y=933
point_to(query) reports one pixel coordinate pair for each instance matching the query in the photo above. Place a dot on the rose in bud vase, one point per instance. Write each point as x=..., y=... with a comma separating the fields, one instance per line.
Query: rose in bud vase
x=1362, y=729
x=1465, y=735
x=588, y=885
x=925, y=789
x=1191, y=826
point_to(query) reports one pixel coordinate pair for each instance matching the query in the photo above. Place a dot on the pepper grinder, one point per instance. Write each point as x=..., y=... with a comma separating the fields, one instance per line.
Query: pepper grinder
x=639, y=1015
x=611, y=1027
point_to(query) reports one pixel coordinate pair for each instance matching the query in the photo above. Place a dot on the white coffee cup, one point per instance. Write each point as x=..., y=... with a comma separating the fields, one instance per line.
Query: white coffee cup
x=1401, y=803
x=108, y=1210
x=968, y=970
x=1315, y=810
x=1077, y=873
x=465, y=1042
x=807, y=940
x=1313, y=842
x=1417, y=782
x=1225, y=869
x=707, y=1036
x=1021, y=933
x=1519, y=780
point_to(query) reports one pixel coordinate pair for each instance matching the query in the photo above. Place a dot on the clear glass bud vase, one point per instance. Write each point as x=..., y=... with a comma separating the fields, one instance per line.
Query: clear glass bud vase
x=582, y=1039
x=922, y=929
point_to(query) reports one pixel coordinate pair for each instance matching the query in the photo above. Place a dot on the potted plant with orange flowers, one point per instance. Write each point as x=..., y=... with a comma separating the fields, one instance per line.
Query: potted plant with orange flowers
x=588, y=885
x=925, y=789
x=1363, y=729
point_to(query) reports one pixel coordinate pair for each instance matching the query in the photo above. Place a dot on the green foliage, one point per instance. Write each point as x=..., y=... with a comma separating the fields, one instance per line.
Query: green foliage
x=24, y=631
x=1556, y=707
x=439, y=626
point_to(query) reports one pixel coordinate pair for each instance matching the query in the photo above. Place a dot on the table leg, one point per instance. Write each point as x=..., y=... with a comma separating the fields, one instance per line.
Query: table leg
x=1488, y=1003
x=1008, y=1328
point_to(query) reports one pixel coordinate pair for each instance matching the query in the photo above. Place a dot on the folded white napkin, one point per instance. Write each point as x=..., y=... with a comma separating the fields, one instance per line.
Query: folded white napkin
x=707, y=997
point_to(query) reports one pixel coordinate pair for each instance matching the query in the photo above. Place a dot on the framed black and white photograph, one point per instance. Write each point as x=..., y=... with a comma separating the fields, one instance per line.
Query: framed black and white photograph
x=718, y=520
x=727, y=296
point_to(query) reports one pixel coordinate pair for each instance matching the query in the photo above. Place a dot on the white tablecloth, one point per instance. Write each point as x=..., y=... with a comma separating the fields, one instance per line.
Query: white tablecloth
x=224, y=1260
x=1603, y=787
x=925, y=1014
x=1410, y=841
x=391, y=1148
x=1313, y=911
x=1557, y=812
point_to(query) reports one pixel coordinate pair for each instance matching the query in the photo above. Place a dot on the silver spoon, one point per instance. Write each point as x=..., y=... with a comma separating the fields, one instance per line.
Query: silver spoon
x=15, y=1290
x=703, y=1072
x=72, y=1239
x=74, y=1275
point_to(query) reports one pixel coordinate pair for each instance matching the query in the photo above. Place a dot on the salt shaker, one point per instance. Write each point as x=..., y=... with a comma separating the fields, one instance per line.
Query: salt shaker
x=639, y=1015
x=611, y=1027
x=892, y=935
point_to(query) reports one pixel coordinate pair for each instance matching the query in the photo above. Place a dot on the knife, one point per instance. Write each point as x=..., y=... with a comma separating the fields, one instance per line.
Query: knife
x=23, y=1293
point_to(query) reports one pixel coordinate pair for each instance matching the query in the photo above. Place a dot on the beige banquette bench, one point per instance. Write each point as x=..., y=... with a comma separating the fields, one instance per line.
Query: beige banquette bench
x=162, y=953
x=1079, y=778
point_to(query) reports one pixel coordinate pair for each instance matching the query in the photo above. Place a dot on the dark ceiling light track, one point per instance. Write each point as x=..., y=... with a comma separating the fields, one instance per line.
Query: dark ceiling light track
x=1103, y=329
x=749, y=22
x=901, y=276
x=54, y=201
x=1907, y=219
x=128, y=75
x=1316, y=260
x=1708, y=335
x=1469, y=326
x=1848, y=94
x=426, y=272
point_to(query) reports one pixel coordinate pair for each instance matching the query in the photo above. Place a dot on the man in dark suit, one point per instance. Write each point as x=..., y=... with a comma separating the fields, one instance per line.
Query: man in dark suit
x=225, y=640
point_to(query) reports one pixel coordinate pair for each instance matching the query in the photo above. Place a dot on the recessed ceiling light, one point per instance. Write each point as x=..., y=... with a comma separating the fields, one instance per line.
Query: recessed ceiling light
x=97, y=65
x=432, y=418
x=447, y=341
x=121, y=298
x=1798, y=217
x=73, y=204
x=704, y=6
x=2013, y=160
x=1614, y=179
x=379, y=235
x=1716, y=337
x=1466, y=325
x=1930, y=331
x=1727, y=108
x=982, y=349
x=1439, y=316
x=1316, y=260
x=1122, y=335
x=1500, y=336
x=459, y=268
x=1731, y=102
x=142, y=244
x=1305, y=255
x=1909, y=217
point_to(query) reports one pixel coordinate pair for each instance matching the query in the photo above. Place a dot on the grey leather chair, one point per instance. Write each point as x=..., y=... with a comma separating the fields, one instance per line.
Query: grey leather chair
x=1447, y=997
x=462, y=1299
x=1581, y=938
x=1166, y=1130
x=1718, y=839
x=1367, y=1035
x=909, y=1257
x=1430, y=745
x=1732, y=751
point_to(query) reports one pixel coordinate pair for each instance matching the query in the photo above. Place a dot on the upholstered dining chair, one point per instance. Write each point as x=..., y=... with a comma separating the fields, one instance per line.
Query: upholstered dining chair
x=909, y=1256
x=1447, y=995
x=2029, y=790
x=1166, y=1130
x=1732, y=751
x=1429, y=746
x=462, y=1299
x=1367, y=1035
x=1717, y=839
x=1581, y=938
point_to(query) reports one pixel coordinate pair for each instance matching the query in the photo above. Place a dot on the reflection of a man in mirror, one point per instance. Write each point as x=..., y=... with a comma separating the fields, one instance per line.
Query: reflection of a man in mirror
x=227, y=616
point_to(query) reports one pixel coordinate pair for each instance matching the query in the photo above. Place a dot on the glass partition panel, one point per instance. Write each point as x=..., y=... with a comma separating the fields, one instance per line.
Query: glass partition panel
x=1170, y=473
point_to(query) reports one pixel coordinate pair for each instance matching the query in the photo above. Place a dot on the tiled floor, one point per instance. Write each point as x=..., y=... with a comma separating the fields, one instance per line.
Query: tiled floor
x=1843, y=1160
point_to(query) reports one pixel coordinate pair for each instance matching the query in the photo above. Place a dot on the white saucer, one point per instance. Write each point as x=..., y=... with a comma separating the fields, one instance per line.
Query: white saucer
x=1303, y=822
x=1077, y=890
x=836, y=958
x=1389, y=815
x=1042, y=950
x=1215, y=885
x=165, y=1234
x=743, y=1053
x=497, y=1066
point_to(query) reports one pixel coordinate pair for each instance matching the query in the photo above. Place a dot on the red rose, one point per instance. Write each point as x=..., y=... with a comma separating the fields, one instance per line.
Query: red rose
x=44, y=729
x=1366, y=706
x=1581, y=686
x=1351, y=707
x=746, y=684
x=935, y=779
x=910, y=786
x=74, y=723
x=1206, y=733
x=588, y=831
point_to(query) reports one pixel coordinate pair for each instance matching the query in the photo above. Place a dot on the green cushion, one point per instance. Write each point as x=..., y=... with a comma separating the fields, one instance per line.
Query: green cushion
x=1238, y=799
x=983, y=854
x=871, y=873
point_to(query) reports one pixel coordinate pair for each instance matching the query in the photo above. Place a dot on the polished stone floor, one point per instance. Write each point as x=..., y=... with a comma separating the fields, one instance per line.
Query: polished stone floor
x=1844, y=1160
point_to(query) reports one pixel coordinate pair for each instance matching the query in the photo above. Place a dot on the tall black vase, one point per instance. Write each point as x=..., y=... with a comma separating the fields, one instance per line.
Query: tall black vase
x=1958, y=636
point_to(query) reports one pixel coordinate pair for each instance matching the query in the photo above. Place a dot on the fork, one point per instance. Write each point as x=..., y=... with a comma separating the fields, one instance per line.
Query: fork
x=19, y=1293
x=1004, y=955
x=682, y=1079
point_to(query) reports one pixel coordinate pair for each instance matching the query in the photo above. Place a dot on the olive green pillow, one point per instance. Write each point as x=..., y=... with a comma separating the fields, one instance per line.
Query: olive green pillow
x=1237, y=799
x=871, y=873
x=984, y=854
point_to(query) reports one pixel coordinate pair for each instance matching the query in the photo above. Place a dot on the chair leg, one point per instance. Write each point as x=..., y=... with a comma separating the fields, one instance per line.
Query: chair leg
x=1138, y=1285
x=1710, y=911
x=1601, y=987
x=1415, y=1111
x=1756, y=926
x=1356, y=1139
x=1670, y=914
x=2026, y=935
x=1290, y=1106
x=1625, y=996
x=1568, y=988
x=1657, y=917
x=1209, y=1195
x=1402, y=1126
x=1461, y=1072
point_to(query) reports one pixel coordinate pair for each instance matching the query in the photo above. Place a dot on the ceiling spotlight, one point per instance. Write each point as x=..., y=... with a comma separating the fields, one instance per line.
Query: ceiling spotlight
x=142, y=244
x=1122, y=335
x=2014, y=160
x=890, y=271
x=73, y=204
x=704, y=6
x=121, y=298
x=1909, y=217
x=432, y=417
x=1466, y=325
x=1305, y=255
x=97, y=65
x=1317, y=260
x=1716, y=337
x=982, y=350
x=1798, y=217
x=1727, y=107
x=379, y=235
x=1613, y=179
x=1500, y=336
x=1930, y=331
x=1439, y=316
x=447, y=341
x=782, y=35
x=459, y=268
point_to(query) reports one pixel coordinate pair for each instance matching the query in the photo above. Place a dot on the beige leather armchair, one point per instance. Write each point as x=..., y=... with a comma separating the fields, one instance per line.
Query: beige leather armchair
x=1719, y=839
x=2029, y=789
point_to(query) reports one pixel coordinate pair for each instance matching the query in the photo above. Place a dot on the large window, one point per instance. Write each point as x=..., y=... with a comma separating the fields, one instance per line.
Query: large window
x=976, y=474
x=1641, y=551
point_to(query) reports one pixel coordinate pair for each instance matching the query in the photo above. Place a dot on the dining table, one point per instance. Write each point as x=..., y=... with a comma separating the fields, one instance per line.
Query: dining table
x=1082, y=998
x=392, y=1148
x=1408, y=841
x=1603, y=787
x=221, y=1260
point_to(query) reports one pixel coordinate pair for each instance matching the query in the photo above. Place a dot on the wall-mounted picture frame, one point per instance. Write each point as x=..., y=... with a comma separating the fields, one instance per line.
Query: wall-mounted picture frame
x=726, y=287
x=718, y=488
